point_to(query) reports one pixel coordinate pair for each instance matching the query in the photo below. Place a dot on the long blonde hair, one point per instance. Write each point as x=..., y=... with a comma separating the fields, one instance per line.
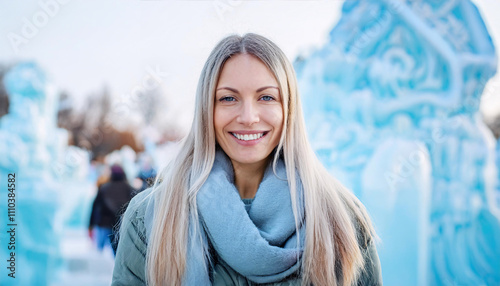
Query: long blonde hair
x=333, y=214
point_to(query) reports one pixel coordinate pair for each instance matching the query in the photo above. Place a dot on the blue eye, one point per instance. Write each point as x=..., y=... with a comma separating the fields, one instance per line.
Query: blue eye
x=227, y=98
x=267, y=98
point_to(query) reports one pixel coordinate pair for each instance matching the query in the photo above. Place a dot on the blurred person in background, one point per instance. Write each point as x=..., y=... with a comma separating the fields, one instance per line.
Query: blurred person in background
x=110, y=202
x=147, y=173
x=99, y=172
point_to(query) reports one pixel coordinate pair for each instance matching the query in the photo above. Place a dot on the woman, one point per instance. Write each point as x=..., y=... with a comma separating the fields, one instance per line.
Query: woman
x=246, y=201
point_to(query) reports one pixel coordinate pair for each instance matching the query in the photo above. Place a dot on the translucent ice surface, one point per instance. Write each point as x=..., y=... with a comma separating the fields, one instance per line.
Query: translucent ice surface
x=391, y=104
x=33, y=149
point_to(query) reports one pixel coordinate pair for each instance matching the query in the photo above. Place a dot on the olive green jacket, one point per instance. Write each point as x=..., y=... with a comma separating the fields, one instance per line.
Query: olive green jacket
x=131, y=255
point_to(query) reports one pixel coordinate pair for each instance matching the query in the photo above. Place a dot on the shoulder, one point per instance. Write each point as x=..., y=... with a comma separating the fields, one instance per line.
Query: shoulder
x=371, y=274
x=364, y=233
x=365, y=238
x=139, y=203
x=135, y=219
x=104, y=187
x=130, y=257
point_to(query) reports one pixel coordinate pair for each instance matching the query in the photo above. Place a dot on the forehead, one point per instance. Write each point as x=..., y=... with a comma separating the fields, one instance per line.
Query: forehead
x=245, y=70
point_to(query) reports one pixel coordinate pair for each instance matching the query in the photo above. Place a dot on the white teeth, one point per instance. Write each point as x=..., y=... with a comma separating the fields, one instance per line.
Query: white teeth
x=248, y=137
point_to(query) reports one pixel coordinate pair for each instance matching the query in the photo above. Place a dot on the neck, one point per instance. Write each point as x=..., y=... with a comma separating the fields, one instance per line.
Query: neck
x=247, y=177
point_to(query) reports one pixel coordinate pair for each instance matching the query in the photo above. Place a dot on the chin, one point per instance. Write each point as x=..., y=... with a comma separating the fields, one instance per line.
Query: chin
x=248, y=159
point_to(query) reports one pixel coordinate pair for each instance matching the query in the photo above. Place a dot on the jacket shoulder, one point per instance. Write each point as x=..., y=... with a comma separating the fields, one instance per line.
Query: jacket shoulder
x=130, y=257
x=139, y=203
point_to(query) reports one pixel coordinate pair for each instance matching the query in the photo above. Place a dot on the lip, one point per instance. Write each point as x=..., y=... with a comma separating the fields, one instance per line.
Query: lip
x=251, y=142
x=249, y=131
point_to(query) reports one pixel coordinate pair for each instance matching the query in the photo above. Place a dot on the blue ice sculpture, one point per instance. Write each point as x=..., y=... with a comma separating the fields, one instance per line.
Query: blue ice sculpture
x=391, y=104
x=29, y=144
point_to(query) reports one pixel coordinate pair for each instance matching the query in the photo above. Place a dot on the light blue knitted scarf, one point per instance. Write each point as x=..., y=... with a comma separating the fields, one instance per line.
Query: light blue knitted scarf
x=261, y=244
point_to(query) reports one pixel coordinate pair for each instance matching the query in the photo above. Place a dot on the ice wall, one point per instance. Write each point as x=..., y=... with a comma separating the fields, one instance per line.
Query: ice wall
x=391, y=104
x=30, y=144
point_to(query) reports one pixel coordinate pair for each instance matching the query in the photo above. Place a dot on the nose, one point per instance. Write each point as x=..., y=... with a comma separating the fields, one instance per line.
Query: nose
x=249, y=114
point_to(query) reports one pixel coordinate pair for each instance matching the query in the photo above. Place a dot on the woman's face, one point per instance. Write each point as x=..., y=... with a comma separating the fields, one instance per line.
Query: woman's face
x=248, y=114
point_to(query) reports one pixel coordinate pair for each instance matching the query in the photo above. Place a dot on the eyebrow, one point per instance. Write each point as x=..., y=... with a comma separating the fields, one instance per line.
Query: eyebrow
x=258, y=90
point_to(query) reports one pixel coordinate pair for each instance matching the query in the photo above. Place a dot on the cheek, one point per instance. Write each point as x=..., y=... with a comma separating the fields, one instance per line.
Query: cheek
x=276, y=118
x=218, y=121
x=221, y=120
x=217, y=126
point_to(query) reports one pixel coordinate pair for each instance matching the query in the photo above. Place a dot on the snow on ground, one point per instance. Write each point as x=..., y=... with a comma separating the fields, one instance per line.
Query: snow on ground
x=83, y=263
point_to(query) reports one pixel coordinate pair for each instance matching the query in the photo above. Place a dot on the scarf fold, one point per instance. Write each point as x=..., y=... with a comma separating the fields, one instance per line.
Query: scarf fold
x=260, y=244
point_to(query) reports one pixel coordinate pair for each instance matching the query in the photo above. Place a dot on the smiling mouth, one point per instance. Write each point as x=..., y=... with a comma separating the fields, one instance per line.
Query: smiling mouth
x=249, y=137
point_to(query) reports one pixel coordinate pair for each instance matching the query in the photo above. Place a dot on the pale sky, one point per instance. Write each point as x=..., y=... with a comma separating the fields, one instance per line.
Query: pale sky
x=86, y=44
